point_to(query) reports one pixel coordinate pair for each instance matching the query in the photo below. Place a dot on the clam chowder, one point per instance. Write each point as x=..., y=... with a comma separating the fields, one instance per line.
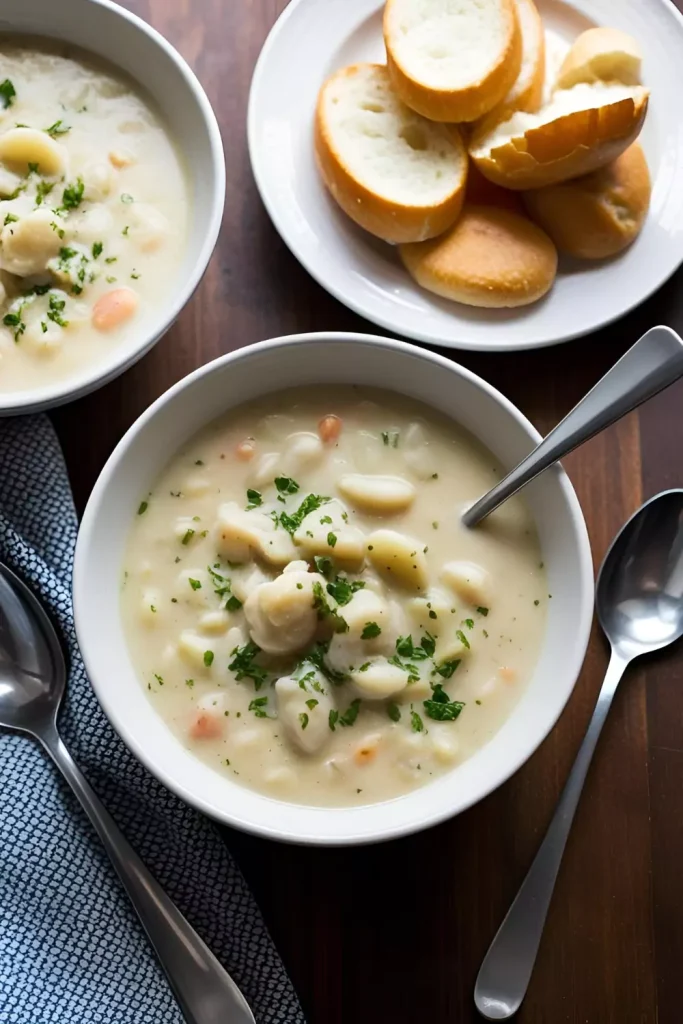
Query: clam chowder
x=93, y=212
x=305, y=609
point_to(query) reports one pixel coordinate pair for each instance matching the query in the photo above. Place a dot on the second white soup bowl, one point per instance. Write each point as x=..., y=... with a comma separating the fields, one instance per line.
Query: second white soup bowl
x=227, y=383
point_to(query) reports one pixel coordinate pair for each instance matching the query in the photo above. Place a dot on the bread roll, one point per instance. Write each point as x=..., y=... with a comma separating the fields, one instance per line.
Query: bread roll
x=601, y=55
x=482, y=192
x=492, y=257
x=580, y=130
x=527, y=91
x=396, y=174
x=452, y=60
x=598, y=215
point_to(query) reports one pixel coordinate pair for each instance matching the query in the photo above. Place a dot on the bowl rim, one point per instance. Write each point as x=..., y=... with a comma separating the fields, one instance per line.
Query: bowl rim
x=88, y=641
x=53, y=395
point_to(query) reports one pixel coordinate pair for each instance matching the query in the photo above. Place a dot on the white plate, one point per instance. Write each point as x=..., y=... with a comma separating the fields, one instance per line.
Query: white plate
x=315, y=37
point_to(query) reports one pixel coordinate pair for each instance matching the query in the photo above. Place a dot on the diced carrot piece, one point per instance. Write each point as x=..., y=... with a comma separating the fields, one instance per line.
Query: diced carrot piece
x=206, y=727
x=329, y=429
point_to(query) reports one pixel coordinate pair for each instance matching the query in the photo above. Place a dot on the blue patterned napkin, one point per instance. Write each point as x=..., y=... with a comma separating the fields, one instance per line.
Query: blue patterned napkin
x=71, y=949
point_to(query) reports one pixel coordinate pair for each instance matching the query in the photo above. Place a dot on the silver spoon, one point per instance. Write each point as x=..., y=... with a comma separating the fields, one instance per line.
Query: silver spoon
x=640, y=607
x=652, y=364
x=32, y=684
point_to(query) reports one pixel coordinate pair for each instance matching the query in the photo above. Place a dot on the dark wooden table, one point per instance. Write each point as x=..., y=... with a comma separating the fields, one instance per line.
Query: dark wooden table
x=396, y=933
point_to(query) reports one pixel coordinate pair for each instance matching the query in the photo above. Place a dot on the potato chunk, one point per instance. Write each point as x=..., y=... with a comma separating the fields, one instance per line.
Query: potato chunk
x=469, y=582
x=398, y=558
x=26, y=245
x=281, y=614
x=242, y=535
x=379, y=680
x=20, y=147
x=378, y=495
x=304, y=715
x=318, y=536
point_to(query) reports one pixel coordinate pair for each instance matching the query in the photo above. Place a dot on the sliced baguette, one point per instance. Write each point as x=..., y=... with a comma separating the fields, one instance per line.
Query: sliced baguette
x=601, y=54
x=396, y=174
x=580, y=130
x=452, y=60
x=600, y=214
x=527, y=92
x=492, y=258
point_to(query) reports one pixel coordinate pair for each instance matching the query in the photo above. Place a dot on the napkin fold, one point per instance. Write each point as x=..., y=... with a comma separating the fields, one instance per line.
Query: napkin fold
x=71, y=948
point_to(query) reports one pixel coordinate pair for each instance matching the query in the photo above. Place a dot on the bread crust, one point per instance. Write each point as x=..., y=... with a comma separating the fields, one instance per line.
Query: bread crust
x=384, y=218
x=567, y=147
x=601, y=54
x=529, y=95
x=459, y=105
x=598, y=215
x=492, y=258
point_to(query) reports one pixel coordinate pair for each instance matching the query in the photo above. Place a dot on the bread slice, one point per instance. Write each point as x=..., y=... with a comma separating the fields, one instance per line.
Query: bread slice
x=492, y=258
x=396, y=174
x=482, y=192
x=580, y=130
x=527, y=91
x=601, y=54
x=452, y=60
x=600, y=214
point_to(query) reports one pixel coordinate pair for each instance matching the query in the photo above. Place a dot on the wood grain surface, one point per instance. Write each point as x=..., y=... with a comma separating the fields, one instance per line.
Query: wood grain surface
x=396, y=933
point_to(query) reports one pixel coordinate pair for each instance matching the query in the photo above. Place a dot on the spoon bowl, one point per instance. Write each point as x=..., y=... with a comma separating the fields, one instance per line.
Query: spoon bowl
x=32, y=668
x=640, y=586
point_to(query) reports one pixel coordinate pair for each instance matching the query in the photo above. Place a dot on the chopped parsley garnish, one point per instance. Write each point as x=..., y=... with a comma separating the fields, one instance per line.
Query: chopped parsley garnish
x=370, y=631
x=483, y=611
x=126, y=198
x=41, y=289
x=10, y=219
x=97, y=248
x=221, y=584
x=44, y=188
x=469, y=623
x=195, y=584
x=447, y=668
x=303, y=718
x=189, y=683
x=234, y=604
x=291, y=523
x=322, y=606
x=413, y=675
x=126, y=230
x=462, y=638
x=114, y=259
x=394, y=712
x=416, y=722
x=244, y=666
x=142, y=508
x=55, y=311
x=254, y=498
x=312, y=703
x=323, y=565
x=332, y=539
x=58, y=128
x=208, y=658
x=390, y=438
x=406, y=648
x=189, y=534
x=326, y=520
x=333, y=719
x=72, y=196
x=258, y=706
x=159, y=679
x=341, y=589
x=135, y=276
x=286, y=485
x=351, y=714
x=15, y=321
x=7, y=93
x=441, y=708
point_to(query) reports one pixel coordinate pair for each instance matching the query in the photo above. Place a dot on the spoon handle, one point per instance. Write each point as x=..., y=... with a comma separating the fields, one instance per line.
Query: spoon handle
x=506, y=971
x=652, y=364
x=205, y=991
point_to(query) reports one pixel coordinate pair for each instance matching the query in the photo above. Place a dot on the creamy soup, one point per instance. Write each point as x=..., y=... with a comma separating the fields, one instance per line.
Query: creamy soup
x=305, y=609
x=93, y=212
